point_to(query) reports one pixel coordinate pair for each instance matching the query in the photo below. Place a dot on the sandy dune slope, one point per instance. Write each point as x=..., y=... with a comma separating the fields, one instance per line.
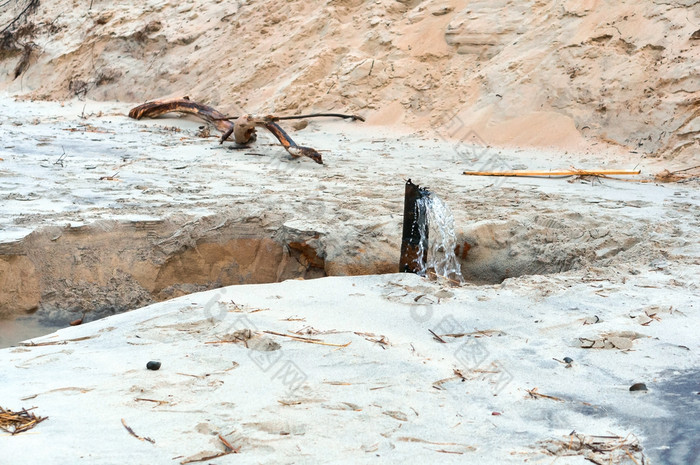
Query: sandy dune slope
x=562, y=74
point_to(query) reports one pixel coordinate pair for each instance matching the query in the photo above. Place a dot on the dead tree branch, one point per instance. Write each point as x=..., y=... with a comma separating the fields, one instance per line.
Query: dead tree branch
x=310, y=115
x=243, y=129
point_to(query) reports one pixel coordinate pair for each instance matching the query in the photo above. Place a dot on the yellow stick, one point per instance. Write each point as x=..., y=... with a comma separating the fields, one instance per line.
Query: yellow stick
x=553, y=173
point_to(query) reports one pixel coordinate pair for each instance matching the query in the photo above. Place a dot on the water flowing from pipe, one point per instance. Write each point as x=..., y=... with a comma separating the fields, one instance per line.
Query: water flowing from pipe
x=442, y=239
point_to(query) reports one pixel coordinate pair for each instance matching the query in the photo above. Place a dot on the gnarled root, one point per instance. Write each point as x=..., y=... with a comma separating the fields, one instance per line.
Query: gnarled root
x=182, y=105
x=243, y=129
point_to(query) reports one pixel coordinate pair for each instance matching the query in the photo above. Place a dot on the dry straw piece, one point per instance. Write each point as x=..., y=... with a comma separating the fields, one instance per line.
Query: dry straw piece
x=18, y=422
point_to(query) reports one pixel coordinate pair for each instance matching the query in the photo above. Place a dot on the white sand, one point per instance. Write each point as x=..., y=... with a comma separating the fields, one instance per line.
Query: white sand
x=311, y=403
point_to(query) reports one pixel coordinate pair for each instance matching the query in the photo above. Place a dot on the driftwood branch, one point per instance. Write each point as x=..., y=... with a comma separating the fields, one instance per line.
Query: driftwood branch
x=243, y=129
x=181, y=105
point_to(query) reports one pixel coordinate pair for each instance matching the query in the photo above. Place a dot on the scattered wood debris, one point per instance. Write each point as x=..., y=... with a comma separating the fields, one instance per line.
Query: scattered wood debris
x=18, y=422
x=675, y=176
x=241, y=335
x=611, y=449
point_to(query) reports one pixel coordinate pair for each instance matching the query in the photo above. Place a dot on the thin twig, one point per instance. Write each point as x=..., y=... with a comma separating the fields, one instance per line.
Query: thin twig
x=131, y=432
x=54, y=343
x=228, y=446
x=443, y=451
x=159, y=402
x=295, y=336
x=685, y=169
x=438, y=338
x=630, y=456
x=413, y=439
x=307, y=340
x=534, y=394
x=193, y=376
x=477, y=333
x=110, y=178
x=311, y=115
x=61, y=158
x=210, y=457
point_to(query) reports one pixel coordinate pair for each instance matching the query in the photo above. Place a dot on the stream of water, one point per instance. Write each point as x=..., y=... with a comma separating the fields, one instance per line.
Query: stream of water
x=442, y=239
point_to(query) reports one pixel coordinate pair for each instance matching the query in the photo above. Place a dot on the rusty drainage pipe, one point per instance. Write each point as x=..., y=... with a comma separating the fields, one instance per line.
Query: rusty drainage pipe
x=414, y=242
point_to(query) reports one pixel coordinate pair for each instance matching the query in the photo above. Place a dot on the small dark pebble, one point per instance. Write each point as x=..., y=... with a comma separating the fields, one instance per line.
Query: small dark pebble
x=153, y=365
x=568, y=360
x=638, y=387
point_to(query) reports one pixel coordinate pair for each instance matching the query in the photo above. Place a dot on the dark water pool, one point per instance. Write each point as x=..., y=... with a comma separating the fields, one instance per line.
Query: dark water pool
x=675, y=439
x=13, y=331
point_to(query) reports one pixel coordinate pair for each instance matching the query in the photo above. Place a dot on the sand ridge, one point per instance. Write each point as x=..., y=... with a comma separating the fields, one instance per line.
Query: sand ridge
x=551, y=74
